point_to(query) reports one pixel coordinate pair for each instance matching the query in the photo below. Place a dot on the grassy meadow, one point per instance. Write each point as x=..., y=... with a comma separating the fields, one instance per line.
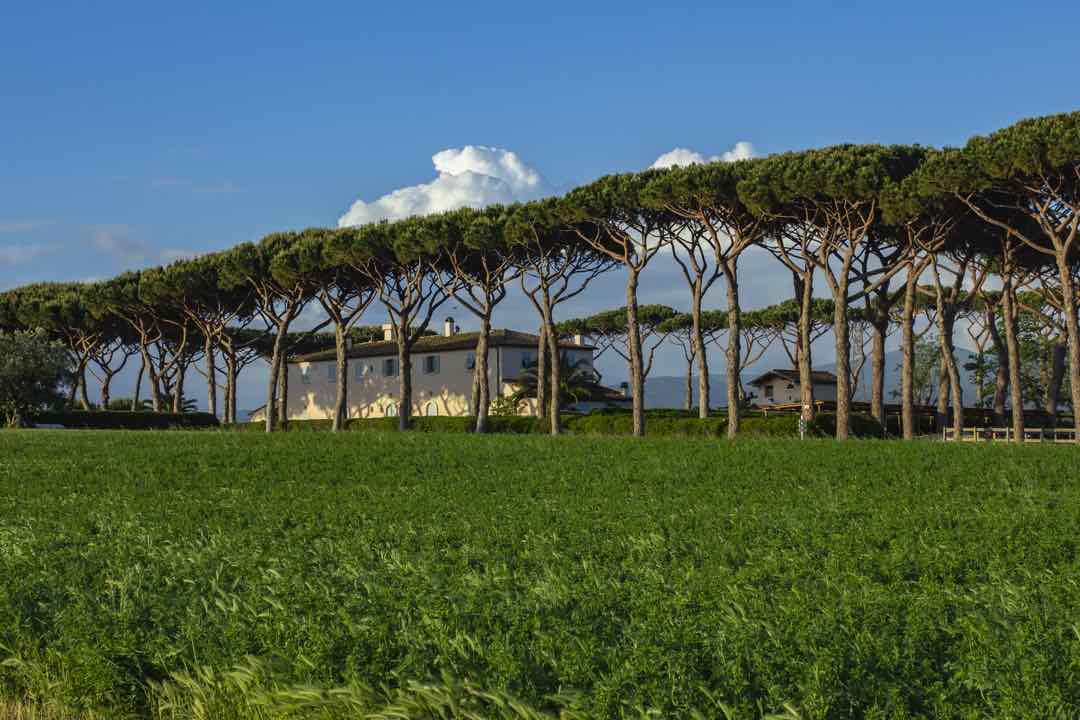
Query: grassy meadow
x=229, y=576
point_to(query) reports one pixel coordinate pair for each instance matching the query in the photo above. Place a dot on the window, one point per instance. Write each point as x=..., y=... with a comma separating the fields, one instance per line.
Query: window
x=470, y=361
x=389, y=367
x=331, y=373
x=390, y=410
x=431, y=364
x=528, y=358
x=769, y=392
x=431, y=409
x=363, y=370
x=305, y=374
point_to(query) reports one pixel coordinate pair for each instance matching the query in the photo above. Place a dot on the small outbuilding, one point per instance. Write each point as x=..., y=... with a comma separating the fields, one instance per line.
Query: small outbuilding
x=781, y=387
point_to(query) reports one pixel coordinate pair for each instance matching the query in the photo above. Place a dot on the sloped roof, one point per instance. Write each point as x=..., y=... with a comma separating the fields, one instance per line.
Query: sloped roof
x=436, y=343
x=819, y=377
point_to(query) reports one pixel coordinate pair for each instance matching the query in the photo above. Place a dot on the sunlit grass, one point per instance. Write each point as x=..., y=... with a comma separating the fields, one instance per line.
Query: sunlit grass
x=307, y=575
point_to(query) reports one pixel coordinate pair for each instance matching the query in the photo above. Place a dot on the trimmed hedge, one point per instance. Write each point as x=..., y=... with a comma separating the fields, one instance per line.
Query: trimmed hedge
x=604, y=422
x=127, y=420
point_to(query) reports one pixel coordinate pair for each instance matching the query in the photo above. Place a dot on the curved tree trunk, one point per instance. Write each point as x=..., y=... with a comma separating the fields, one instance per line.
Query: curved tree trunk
x=341, y=397
x=734, y=350
x=481, y=383
x=633, y=340
x=1012, y=346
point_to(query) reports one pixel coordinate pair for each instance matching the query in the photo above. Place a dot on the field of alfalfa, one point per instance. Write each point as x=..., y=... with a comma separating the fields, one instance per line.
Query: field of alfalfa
x=223, y=575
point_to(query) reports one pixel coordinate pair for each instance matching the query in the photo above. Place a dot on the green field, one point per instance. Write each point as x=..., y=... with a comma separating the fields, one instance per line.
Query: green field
x=310, y=575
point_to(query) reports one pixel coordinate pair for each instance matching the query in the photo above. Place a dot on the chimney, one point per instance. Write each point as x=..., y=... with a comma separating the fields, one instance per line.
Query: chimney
x=579, y=340
x=387, y=331
x=625, y=387
x=448, y=328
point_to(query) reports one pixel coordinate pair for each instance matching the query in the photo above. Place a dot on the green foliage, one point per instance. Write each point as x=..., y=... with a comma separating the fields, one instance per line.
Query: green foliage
x=214, y=575
x=504, y=406
x=576, y=381
x=126, y=419
x=33, y=371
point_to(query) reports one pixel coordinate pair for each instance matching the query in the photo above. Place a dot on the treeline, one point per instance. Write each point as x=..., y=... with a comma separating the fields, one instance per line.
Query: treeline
x=876, y=222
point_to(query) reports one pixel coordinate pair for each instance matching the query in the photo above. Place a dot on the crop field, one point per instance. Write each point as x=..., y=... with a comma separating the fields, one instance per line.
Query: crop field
x=229, y=575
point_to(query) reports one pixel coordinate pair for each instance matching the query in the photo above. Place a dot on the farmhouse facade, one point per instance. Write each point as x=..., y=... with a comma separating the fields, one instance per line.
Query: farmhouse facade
x=443, y=369
x=781, y=387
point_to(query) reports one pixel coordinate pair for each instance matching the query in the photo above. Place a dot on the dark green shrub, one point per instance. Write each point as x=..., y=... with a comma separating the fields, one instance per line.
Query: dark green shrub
x=127, y=420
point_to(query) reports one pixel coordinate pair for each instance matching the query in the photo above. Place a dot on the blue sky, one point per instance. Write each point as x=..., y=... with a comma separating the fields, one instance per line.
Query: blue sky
x=131, y=133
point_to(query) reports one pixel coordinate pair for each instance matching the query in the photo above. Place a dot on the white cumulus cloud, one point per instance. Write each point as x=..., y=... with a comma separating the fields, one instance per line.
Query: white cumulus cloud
x=471, y=176
x=743, y=150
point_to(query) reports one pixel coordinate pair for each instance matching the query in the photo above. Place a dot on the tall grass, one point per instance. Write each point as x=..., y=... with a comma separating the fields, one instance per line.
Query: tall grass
x=219, y=575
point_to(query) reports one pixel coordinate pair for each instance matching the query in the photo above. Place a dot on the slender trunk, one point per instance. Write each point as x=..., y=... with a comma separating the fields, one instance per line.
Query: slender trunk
x=633, y=340
x=877, y=368
x=804, y=290
x=956, y=389
x=272, y=379
x=152, y=377
x=234, y=377
x=84, y=398
x=1012, y=346
x=554, y=401
x=907, y=348
x=482, y=384
x=698, y=343
x=105, y=388
x=734, y=349
x=230, y=371
x=283, y=392
x=178, y=391
x=341, y=398
x=1072, y=331
x=211, y=378
x=138, y=386
x=942, y=415
x=688, y=385
x=404, y=352
x=1058, y=354
x=843, y=361
x=541, y=367
x=1001, y=375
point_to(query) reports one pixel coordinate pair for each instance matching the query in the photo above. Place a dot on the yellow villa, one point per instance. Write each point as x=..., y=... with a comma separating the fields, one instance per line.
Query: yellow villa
x=442, y=384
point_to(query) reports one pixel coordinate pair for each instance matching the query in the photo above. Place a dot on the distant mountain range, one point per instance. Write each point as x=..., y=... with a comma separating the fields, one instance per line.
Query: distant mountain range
x=668, y=391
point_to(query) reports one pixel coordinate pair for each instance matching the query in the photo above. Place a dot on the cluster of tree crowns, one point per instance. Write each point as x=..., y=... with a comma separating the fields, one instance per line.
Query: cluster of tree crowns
x=872, y=220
